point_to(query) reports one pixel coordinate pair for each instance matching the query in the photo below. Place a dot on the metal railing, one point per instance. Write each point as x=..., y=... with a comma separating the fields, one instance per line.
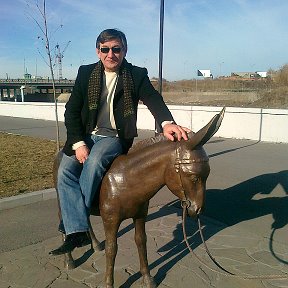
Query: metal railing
x=35, y=81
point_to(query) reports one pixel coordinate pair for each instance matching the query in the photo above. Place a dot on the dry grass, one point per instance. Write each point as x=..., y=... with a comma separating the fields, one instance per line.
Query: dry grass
x=26, y=164
x=258, y=93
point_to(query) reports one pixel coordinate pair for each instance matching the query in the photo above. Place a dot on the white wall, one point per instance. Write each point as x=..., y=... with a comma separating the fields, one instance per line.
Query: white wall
x=242, y=123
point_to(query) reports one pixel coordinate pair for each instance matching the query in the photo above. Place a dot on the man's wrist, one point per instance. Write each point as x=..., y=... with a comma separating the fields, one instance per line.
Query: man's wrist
x=78, y=144
x=166, y=122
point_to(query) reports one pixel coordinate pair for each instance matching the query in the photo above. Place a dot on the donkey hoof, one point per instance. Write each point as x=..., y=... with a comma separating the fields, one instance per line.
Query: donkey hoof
x=69, y=265
x=97, y=248
x=148, y=282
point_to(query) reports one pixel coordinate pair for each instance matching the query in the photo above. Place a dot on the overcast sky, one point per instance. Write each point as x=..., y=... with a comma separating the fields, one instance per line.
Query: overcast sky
x=221, y=35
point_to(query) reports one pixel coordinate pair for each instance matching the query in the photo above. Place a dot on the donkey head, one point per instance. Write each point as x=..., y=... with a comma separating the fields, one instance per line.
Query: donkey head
x=192, y=167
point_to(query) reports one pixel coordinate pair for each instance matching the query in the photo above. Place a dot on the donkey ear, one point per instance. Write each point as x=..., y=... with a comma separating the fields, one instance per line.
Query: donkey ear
x=205, y=133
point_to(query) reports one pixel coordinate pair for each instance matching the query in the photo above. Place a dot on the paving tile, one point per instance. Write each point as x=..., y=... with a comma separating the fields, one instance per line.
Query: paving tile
x=4, y=284
x=267, y=258
x=224, y=282
x=275, y=283
x=66, y=283
x=257, y=269
x=234, y=254
x=183, y=277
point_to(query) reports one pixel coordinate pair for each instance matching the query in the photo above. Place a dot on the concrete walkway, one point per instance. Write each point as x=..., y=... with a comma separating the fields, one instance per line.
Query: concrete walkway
x=245, y=226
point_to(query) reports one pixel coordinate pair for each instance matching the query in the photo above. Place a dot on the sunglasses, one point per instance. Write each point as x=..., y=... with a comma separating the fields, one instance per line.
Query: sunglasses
x=115, y=50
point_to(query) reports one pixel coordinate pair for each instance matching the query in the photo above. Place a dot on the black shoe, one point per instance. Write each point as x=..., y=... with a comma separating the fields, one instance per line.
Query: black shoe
x=72, y=241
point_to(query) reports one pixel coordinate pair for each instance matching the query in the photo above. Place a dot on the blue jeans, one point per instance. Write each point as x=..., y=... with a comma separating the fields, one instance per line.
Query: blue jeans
x=78, y=183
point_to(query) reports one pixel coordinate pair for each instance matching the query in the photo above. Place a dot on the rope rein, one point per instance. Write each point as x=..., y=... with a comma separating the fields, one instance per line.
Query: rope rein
x=222, y=270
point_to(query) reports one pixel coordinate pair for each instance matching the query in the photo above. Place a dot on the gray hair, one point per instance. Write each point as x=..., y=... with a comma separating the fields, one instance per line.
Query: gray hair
x=111, y=34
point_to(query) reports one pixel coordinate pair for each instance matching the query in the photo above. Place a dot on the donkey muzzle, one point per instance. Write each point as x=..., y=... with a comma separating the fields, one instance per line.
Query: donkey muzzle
x=192, y=209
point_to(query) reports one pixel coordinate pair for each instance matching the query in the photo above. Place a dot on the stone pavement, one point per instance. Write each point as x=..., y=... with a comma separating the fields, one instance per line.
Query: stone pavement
x=239, y=251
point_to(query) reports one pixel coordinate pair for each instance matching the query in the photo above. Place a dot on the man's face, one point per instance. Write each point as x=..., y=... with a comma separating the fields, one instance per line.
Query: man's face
x=111, y=60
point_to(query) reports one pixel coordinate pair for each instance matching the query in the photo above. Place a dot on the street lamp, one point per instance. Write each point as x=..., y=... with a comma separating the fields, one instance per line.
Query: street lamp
x=160, y=77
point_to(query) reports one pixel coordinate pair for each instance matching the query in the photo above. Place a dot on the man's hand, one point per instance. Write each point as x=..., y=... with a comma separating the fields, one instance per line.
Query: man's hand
x=82, y=153
x=172, y=131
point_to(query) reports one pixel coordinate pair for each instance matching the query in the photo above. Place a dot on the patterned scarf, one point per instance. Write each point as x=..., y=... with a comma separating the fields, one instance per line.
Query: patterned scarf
x=95, y=87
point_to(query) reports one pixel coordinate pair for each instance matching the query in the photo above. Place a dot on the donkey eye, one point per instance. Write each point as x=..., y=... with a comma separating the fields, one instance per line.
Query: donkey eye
x=194, y=178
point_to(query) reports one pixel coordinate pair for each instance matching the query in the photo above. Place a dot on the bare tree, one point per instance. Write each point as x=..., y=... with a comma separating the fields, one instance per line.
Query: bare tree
x=42, y=24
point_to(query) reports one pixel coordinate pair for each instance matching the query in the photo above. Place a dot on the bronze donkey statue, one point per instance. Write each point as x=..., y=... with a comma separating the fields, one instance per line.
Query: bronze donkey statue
x=182, y=166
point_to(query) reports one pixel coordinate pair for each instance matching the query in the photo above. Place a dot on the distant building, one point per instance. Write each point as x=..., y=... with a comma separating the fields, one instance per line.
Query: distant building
x=27, y=76
x=262, y=74
x=205, y=73
x=249, y=75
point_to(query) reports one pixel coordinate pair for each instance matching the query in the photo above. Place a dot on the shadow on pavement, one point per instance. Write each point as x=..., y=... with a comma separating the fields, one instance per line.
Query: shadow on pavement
x=230, y=150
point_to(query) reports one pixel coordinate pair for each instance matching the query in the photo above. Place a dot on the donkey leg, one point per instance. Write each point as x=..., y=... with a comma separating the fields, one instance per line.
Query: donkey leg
x=110, y=251
x=95, y=244
x=141, y=240
x=68, y=259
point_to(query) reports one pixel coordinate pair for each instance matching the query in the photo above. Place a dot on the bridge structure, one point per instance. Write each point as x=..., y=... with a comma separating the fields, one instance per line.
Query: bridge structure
x=19, y=89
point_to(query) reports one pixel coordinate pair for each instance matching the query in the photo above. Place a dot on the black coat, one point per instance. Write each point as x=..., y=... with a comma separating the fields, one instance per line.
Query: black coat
x=80, y=121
